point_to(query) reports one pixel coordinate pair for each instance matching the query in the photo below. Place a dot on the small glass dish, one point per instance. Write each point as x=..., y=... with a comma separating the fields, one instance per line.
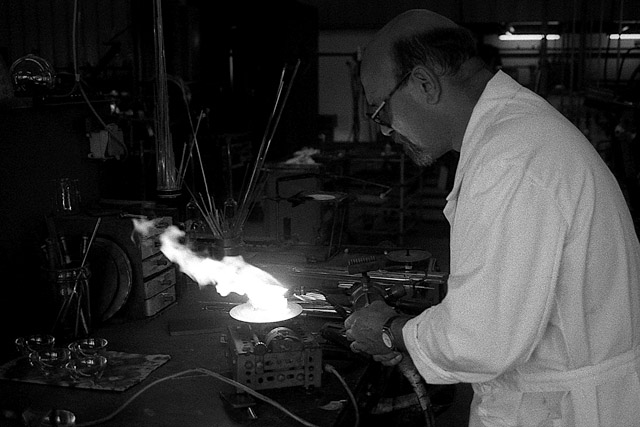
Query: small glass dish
x=51, y=361
x=90, y=367
x=59, y=418
x=36, y=417
x=89, y=347
x=37, y=342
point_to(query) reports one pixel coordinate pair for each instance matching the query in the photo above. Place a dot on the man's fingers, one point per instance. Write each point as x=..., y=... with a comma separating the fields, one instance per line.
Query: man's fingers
x=393, y=362
x=349, y=322
x=349, y=335
x=388, y=359
x=356, y=348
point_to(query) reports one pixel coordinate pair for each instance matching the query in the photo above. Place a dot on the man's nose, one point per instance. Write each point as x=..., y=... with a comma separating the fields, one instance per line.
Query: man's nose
x=386, y=130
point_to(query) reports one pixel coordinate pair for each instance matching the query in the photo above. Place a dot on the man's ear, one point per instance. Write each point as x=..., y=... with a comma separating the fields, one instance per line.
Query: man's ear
x=429, y=84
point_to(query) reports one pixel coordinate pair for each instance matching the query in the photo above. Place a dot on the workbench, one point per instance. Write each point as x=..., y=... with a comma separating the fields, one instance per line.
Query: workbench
x=193, y=334
x=193, y=399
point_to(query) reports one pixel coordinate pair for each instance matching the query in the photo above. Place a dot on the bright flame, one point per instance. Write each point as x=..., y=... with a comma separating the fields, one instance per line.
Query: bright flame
x=231, y=274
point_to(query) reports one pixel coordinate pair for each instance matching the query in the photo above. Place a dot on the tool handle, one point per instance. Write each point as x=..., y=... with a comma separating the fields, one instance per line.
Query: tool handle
x=335, y=333
x=336, y=306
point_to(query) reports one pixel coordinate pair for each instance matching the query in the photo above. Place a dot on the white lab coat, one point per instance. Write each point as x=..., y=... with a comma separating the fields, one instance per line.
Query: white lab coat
x=542, y=313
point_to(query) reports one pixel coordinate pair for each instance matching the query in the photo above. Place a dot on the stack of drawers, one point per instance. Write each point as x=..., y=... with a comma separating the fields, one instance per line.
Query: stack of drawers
x=158, y=273
x=154, y=278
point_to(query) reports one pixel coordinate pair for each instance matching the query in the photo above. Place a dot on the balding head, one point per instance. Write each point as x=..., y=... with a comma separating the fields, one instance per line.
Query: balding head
x=379, y=52
x=413, y=22
x=421, y=77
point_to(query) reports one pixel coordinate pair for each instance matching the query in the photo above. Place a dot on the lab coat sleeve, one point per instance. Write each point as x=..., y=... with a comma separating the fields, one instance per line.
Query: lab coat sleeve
x=506, y=244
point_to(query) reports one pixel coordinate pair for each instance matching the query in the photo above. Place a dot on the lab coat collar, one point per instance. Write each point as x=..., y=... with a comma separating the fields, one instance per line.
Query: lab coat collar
x=491, y=102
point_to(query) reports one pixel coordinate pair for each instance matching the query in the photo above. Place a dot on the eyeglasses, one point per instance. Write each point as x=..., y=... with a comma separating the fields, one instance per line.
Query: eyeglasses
x=375, y=116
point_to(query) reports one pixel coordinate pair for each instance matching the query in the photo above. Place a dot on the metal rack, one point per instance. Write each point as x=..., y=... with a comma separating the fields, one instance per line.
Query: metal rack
x=389, y=193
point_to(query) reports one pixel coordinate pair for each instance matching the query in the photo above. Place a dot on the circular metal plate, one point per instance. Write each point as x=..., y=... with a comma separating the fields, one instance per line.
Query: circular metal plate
x=111, y=278
x=248, y=313
x=407, y=256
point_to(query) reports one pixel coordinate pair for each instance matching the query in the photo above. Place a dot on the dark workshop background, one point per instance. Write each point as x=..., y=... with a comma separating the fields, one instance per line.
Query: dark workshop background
x=593, y=80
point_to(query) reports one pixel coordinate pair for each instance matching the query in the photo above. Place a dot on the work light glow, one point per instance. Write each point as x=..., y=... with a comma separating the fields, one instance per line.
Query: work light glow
x=527, y=37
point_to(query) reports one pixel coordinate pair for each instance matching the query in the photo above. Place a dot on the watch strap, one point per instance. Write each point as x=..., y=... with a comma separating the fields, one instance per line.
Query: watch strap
x=390, y=320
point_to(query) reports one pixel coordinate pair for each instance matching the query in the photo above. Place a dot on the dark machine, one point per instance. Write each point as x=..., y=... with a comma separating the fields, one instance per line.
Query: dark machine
x=283, y=356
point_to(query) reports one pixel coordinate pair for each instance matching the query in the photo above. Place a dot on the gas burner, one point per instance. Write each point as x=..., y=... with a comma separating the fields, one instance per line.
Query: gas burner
x=280, y=357
x=248, y=313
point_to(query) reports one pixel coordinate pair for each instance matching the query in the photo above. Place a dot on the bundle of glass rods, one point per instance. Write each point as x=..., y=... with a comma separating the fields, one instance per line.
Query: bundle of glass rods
x=224, y=224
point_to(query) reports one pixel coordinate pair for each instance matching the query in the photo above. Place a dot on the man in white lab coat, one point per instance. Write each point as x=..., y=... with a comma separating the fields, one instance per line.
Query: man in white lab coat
x=542, y=314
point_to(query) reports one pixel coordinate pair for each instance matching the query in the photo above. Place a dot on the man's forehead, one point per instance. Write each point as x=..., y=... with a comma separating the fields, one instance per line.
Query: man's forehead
x=376, y=74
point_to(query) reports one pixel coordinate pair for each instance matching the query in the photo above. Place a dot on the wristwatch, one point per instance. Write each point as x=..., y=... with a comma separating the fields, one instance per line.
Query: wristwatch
x=387, y=335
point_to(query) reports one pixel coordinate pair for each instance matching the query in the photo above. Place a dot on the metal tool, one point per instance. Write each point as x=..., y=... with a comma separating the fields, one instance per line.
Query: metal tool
x=361, y=297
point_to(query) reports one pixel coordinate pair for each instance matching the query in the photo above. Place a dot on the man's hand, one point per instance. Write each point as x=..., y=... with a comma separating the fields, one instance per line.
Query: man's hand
x=389, y=359
x=364, y=328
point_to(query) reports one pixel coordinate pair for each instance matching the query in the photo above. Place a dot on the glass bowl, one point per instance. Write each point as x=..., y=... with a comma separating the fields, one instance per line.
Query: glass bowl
x=90, y=367
x=89, y=347
x=51, y=361
x=37, y=342
x=59, y=418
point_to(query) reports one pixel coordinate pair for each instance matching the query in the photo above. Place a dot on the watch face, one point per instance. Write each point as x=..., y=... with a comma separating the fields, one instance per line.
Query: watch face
x=386, y=338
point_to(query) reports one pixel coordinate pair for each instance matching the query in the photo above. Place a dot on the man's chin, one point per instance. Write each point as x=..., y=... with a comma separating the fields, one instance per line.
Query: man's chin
x=418, y=155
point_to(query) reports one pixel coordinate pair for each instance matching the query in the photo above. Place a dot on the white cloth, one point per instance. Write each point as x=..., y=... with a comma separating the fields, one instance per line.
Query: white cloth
x=544, y=277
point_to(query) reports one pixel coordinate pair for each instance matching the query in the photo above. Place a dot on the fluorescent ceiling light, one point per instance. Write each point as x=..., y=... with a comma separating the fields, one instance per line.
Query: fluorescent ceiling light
x=527, y=37
x=624, y=36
